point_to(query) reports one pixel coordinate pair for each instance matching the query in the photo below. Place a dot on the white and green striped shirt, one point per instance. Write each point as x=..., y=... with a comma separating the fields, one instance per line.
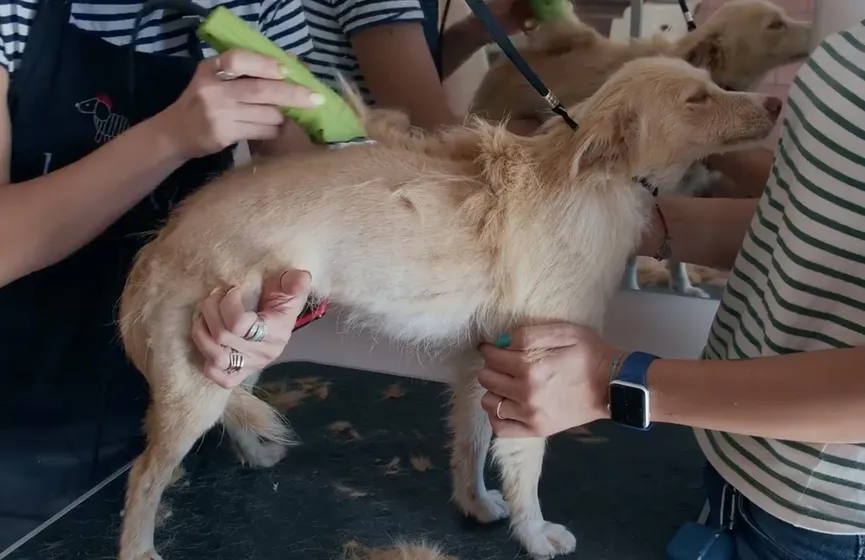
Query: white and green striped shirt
x=798, y=284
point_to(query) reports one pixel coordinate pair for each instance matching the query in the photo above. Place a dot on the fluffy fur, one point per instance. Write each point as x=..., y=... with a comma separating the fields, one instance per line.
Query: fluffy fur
x=739, y=44
x=400, y=551
x=433, y=240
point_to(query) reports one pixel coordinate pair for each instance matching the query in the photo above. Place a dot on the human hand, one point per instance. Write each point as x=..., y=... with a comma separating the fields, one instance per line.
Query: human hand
x=232, y=97
x=545, y=379
x=291, y=139
x=225, y=326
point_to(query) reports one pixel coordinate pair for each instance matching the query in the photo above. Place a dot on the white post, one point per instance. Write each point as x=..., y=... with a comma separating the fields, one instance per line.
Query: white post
x=831, y=16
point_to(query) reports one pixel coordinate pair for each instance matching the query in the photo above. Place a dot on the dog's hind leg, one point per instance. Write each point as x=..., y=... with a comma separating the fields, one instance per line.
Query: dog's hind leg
x=259, y=444
x=174, y=423
x=520, y=461
x=680, y=282
x=472, y=434
x=630, y=281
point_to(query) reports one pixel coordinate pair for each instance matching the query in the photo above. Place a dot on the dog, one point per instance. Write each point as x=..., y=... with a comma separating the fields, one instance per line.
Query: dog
x=739, y=44
x=436, y=240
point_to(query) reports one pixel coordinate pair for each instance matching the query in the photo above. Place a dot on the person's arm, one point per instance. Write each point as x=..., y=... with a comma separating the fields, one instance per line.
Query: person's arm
x=400, y=72
x=807, y=396
x=703, y=231
x=747, y=169
x=460, y=42
x=44, y=220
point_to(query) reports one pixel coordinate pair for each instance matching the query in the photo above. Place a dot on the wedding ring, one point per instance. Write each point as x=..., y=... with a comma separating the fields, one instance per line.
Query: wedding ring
x=257, y=331
x=499, y=410
x=223, y=75
x=235, y=361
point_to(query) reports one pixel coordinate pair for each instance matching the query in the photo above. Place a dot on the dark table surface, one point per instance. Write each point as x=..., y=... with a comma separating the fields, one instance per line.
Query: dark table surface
x=372, y=467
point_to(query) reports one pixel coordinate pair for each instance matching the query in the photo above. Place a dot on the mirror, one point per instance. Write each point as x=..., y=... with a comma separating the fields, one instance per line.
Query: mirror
x=613, y=18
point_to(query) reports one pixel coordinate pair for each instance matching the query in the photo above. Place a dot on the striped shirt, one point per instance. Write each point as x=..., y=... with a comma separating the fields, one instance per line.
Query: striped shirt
x=798, y=284
x=332, y=24
x=281, y=21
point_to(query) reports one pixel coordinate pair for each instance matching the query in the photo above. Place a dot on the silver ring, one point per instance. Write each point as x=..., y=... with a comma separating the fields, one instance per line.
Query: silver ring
x=223, y=75
x=257, y=331
x=236, y=360
x=499, y=410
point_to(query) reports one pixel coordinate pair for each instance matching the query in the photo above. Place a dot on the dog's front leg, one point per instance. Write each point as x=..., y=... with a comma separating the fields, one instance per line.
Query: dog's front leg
x=680, y=282
x=630, y=281
x=472, y=434
x=520, y=461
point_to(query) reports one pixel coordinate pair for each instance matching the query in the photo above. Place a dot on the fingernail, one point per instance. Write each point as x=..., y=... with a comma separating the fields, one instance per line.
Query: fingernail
x=285, y=71
x=215, y=291
x=503, y=341
x=231, y=290
x=316, y=99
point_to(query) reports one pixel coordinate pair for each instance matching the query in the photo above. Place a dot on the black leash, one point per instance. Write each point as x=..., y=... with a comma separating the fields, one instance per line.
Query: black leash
x=488, y=20
x=689, y=17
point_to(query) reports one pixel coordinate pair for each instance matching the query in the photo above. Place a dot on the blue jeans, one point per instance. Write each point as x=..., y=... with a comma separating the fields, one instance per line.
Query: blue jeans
x=762, y=536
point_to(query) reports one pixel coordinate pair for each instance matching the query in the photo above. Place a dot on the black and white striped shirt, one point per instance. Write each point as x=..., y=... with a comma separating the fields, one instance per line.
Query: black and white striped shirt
x=281, y=21
x=798, y=285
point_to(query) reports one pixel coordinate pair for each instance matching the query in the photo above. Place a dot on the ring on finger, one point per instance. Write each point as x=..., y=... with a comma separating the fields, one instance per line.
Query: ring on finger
x=223, y=75
x=236, y=361
x=499, y=410
x=257, y=331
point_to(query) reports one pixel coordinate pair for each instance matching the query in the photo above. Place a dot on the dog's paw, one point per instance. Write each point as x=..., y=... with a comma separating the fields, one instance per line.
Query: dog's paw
x=547, y=540
x=263, y=455
x=696, y=292
x=488, y=507
x=148, y=555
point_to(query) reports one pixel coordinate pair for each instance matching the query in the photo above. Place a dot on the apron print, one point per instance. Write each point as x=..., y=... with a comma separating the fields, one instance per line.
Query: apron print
x=108, y=124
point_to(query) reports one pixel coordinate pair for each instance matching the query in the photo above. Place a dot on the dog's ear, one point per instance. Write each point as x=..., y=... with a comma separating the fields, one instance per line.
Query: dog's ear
x=607, y=142
x=706, y=53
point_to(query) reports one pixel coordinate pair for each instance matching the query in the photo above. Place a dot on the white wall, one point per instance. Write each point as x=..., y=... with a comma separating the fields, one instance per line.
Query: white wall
x=831, y=16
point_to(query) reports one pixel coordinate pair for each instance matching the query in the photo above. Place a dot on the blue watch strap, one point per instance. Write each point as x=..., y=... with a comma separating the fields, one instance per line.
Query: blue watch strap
x=635, y=367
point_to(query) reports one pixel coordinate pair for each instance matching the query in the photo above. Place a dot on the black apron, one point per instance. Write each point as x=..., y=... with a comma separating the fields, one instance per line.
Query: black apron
x=72, y=406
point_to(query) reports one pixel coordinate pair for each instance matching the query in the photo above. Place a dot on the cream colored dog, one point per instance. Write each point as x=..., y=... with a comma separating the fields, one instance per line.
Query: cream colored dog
x=434, y=241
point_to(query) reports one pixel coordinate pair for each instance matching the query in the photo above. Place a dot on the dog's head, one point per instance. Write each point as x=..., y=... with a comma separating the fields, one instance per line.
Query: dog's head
x=744, y=40
x=658, y=115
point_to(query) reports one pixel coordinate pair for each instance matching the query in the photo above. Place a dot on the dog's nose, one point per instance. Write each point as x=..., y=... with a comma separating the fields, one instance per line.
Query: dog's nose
x=773, y=105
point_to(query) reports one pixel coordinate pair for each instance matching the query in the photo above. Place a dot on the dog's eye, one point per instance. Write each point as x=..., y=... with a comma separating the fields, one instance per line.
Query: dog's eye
x=697, y=97
x=777, y=25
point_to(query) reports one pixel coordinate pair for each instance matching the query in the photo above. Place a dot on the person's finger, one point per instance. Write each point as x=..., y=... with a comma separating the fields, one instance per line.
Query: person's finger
x=204, y=341
x=234, y=316
x=497, y=405
x=549, y=336
x=283, y=296
x=248, y=131
x=506, y=362
x=269, y=92
x=258, y=114
x=242, y=62
x=501, y=384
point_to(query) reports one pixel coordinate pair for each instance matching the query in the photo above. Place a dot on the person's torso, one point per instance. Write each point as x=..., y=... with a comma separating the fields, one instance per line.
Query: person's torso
x=73, y=405
x=798, y=285
x=332, y=22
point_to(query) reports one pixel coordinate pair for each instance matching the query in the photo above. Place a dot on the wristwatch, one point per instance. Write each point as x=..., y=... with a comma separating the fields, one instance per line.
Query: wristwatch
x=629, y=395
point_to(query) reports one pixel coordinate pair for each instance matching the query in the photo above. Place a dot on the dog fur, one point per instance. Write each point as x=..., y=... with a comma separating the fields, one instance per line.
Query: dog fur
x=434, y=240
x=739, y=44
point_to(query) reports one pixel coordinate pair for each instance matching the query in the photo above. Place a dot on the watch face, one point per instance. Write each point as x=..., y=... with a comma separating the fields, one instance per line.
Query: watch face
x=629, y=405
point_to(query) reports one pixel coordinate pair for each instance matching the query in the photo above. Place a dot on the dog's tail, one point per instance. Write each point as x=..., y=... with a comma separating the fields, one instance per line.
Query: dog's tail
x=256, y=416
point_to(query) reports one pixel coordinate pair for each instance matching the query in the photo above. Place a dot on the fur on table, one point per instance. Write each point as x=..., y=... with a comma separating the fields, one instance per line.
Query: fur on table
x=651, y=272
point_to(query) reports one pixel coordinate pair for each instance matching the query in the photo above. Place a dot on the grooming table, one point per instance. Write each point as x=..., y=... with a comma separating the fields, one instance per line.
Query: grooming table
x=373, y=464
